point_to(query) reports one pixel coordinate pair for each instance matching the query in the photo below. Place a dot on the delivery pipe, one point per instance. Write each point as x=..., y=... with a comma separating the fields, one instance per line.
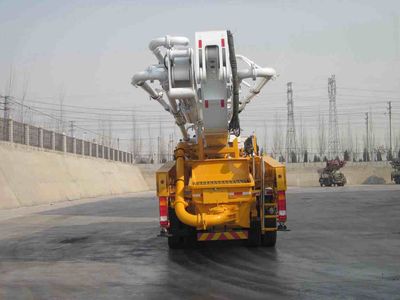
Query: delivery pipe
x=167, y=42
x=200, y=220
x=152, y=73
x=265, y=73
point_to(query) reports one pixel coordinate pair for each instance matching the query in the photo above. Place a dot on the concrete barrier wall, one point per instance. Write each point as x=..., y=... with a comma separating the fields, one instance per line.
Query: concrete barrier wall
x=356, y=173
x=32, y=176
x=149, y=174
x=306, y=174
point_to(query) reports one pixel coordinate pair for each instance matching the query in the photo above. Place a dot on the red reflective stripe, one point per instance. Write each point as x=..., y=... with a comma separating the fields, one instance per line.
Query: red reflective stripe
x=222, y=103
x=235, y=235
x=222, y=237
x=163, y=212
x=206, y=103
x=222, y=42
x=282, y=206
x=200, y=44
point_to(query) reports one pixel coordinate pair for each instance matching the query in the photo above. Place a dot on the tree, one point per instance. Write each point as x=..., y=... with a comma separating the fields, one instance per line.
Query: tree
x=316, y=158
x=305, y=156
x=293, y=157
x=321, y=136
x=278, y=138
x=346, y=155
x=365, y=155
x=378, y=155
x=389, y=156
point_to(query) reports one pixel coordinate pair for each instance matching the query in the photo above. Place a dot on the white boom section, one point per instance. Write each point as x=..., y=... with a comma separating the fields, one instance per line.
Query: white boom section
x=198, y=83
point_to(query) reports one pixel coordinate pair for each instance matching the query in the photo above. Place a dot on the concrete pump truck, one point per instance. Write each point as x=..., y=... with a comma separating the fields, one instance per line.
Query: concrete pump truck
x=217, y=187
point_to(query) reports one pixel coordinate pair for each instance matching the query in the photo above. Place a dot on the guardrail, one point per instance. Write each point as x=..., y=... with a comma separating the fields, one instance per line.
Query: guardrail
x=21, y=133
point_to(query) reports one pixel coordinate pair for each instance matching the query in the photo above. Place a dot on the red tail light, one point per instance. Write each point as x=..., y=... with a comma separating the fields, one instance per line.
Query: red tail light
x=282, y=206
x=164, y=212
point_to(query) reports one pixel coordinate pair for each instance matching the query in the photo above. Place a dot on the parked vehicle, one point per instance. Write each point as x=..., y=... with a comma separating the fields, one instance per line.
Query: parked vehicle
x=331, y=176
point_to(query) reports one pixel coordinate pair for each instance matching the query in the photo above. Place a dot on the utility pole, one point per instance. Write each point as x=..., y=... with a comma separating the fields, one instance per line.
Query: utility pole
x=390, y=128
x=71, y=129
x=333, y=143
x=6, y=107
x=367, y=132
x=290, y=129
x=158, y=149
x=265, y=137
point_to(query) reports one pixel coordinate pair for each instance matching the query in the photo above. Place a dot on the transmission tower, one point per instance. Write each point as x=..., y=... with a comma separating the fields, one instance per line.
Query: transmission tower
x=333, y=144
x=290, y=130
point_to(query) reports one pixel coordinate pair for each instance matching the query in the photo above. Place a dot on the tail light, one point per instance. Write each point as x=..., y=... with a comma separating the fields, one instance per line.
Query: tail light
x=282, y=206
x=164, y=212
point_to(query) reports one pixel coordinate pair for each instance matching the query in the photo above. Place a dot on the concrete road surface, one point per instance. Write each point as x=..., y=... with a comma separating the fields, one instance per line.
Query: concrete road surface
x=343, y=243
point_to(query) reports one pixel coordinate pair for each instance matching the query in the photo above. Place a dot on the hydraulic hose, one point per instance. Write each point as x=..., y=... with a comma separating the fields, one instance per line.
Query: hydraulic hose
x=199, y=220
x=234, y=125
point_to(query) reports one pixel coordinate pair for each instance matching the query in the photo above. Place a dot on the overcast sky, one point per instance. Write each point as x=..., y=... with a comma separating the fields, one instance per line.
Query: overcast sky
x=89, y=50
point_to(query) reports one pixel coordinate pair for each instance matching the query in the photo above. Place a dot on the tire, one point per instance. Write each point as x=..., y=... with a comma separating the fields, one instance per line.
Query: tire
x=174, y=240
x=254, y=238
x=268, y=239
x=181, y=235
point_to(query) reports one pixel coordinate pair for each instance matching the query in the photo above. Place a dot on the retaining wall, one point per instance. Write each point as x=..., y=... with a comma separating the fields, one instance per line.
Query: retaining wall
x=32, y=176
x=306, y=174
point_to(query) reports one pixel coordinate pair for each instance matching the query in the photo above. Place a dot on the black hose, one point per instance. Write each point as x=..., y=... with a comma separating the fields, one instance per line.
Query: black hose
x=234, y=125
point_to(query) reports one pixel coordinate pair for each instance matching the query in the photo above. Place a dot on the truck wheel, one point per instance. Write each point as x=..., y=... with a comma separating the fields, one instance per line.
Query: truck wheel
x=182, y=235
x=269, y=239
x=174, y=240
x=254, y=238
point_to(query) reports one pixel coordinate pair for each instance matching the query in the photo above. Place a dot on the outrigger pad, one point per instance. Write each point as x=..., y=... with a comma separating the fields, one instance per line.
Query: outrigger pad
x=282, y=227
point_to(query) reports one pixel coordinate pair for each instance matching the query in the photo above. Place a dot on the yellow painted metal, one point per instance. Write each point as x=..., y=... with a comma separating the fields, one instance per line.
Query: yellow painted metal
x=216, y=139
x=221, y=172
x=221, y=216
x=270, y=229
x=223, y=235
x=213, y=186
x=200, y=146
x=163, y=179
x=211, y=196
x=275, y=174
x=236, y=147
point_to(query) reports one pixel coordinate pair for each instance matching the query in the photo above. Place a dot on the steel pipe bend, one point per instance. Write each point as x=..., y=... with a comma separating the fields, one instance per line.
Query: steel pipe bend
x=199, y=220
x=151, y=73
x=168, y=42
x=256, y=72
